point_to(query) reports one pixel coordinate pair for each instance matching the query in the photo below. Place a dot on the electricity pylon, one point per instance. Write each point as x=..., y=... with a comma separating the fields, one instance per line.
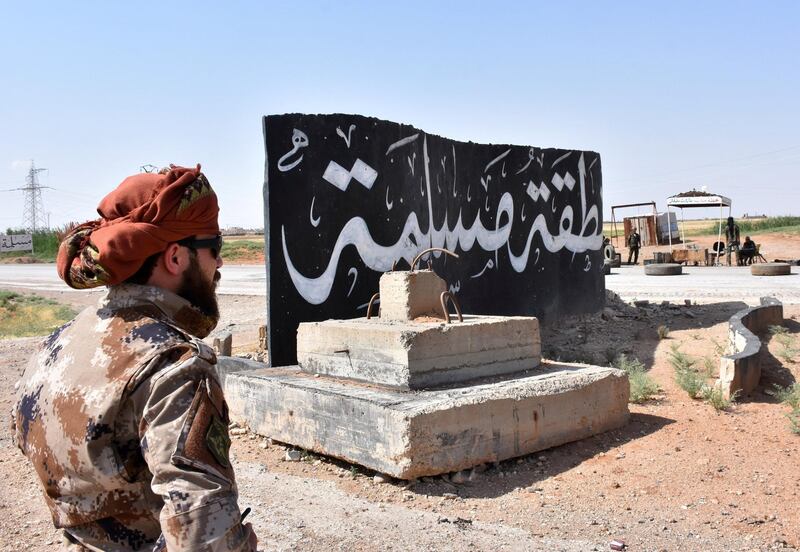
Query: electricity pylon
x=34, y=217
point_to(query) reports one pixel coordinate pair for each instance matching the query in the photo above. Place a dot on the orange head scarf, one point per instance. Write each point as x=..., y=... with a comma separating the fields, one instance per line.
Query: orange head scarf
x=140, y=218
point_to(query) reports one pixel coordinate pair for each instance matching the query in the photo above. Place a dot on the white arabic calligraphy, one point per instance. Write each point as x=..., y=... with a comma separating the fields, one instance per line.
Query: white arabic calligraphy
x=412, y=238
x=299, y=141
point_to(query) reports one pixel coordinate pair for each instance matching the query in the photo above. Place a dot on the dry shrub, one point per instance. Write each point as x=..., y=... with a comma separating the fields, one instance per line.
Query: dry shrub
x=643, y=387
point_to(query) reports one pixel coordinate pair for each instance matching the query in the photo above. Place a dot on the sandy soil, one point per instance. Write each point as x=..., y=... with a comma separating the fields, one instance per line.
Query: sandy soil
x=773, y=246
x=679, y=476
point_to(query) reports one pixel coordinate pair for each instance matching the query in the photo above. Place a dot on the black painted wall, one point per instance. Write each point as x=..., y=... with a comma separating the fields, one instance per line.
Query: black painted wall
x=345, y=196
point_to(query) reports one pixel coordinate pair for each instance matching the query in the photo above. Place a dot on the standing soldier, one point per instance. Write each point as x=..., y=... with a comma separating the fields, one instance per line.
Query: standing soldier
x=121, y=412
x=732, y=239
x=634, y=242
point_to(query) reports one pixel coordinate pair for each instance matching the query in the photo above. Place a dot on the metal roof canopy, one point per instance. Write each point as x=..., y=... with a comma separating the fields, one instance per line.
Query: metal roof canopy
x=710, y=200
x=698, y=199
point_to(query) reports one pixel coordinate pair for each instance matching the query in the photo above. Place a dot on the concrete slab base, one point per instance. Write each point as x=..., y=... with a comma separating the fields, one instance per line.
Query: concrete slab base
x=412, y=434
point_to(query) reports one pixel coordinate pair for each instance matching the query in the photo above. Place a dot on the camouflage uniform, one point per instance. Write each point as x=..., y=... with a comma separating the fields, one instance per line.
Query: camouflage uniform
x=122, y=415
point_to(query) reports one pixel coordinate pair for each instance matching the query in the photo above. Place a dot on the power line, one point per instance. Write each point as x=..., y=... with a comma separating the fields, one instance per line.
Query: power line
x=731, y=163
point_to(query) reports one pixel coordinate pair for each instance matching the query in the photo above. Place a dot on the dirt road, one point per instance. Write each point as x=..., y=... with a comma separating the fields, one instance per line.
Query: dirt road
x=679, y=476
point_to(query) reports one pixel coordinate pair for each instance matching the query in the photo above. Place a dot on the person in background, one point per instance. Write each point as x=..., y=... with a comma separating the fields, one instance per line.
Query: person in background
x=634, y=242
x=732, y=239
x=748, y=251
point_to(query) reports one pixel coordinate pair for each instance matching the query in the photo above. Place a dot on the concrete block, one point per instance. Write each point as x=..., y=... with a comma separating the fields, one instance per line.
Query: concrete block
x=407, y=295
x=416, y=355
x=409, y=435
x=741, y=370
x=223, y=344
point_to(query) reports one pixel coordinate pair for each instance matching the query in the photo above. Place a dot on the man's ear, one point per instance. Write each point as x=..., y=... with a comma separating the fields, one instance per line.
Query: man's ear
x=174, y=259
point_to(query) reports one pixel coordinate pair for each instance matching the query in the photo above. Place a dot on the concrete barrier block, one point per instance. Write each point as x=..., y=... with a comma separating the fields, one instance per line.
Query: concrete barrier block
x=740, y=370
x=417, y=355
x=223, y=344
x=408, y=435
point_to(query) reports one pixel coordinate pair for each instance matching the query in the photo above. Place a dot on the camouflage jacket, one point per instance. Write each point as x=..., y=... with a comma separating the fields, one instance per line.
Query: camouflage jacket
x=123, y=418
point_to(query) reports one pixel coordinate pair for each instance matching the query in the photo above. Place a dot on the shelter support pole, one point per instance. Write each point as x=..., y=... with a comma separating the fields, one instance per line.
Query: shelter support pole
x=614, y=228
x=655, y=224
x=669, y=226
x=719, y=233
x=683, y=229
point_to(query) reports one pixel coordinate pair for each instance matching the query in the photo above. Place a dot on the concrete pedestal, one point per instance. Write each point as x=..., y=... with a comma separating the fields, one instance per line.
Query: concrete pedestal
x=417, y=355
x=412, y=434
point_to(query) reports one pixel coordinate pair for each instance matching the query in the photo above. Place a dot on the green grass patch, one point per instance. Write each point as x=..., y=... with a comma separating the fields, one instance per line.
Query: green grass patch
x=789, y=395
x=643, y=387
x=787, y=352
x=690, y=381
x=686, y=376
x=776, y=329
x=715, y=398
x=794, y=421
x=679, y=359
x=45, y=247
x=694, y=383
x=239, y=249
x=30, y=315
x=719, y=348
x=786, y=224
x=710, y=367
x=608, y=230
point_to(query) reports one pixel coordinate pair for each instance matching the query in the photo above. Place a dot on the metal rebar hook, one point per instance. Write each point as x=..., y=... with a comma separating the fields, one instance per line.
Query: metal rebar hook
x=424, y=251
x=443, y=300
x=369, y=305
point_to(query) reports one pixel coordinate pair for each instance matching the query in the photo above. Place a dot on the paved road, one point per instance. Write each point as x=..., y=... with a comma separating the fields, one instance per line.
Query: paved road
x=701, y=284
x=236, y=279
x=704, y=284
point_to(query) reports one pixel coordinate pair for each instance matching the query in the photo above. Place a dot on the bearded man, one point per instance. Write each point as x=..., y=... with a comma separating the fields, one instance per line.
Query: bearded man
x=121, y=412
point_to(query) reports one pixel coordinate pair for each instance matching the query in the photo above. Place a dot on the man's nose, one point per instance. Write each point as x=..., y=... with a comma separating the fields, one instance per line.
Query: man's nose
x=219, y=261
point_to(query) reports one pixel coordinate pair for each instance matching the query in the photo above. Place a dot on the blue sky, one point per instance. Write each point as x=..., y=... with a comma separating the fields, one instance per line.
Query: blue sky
x=673, y=95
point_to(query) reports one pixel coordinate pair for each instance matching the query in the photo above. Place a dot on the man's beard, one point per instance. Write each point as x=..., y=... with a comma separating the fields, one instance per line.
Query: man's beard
x=198, y=291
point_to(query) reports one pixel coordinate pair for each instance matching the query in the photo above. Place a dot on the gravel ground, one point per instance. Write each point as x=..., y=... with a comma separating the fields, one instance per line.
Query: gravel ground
x=679, y=476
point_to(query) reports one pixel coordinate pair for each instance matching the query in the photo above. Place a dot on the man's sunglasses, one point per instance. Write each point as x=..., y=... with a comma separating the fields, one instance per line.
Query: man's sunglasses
x=214, y=244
